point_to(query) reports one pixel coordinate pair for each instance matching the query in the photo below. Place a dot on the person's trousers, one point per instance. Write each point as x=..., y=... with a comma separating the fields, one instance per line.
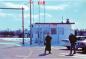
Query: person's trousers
x=72, y=48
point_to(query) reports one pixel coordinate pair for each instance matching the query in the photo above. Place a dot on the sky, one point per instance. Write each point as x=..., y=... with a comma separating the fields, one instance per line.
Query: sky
x=55, y=11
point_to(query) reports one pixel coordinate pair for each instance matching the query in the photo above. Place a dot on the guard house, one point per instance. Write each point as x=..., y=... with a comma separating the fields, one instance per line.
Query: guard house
x=58, y=32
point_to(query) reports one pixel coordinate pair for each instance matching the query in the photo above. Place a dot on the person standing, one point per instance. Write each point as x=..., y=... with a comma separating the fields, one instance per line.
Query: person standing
x=47, y=43
x=72, y=39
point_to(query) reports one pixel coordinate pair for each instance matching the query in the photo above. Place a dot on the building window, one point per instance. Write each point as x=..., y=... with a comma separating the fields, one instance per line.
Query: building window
x=53, y=30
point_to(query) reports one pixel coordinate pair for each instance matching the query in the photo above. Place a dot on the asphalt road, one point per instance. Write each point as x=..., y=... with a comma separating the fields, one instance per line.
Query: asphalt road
x=16, y=52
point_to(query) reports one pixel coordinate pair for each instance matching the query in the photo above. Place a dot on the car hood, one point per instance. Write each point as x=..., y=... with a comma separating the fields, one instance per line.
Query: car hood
x=83, y=41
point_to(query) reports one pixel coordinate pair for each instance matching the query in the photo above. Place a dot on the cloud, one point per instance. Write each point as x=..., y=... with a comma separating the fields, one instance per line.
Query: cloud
x=46, y=14
x=57, y=7
x=13, y=0
x=28, y=15
x=4, y=14
x=13, y=5
x=63, y=0
x=37, y=15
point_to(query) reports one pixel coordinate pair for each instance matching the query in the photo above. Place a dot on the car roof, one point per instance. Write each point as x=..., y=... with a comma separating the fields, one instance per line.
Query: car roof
x=81, y=36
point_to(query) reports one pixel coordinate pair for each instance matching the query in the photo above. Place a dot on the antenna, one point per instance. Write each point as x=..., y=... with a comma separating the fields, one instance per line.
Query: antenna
x=62, y=19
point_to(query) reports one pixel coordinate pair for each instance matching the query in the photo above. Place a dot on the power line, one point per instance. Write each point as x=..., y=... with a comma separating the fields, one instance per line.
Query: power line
x=12, y=8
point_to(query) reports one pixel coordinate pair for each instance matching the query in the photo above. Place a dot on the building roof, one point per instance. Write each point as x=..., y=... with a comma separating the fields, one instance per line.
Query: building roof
x=55, y=23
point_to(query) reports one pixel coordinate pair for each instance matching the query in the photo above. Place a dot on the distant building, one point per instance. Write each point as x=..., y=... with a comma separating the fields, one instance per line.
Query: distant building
x=59, y=31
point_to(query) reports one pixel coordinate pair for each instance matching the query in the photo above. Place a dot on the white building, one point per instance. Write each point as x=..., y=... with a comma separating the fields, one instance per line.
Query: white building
x=59, y=31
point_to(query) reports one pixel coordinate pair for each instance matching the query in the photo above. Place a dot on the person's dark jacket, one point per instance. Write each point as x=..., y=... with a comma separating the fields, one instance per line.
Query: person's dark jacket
x=47, y=43
x=72, y=38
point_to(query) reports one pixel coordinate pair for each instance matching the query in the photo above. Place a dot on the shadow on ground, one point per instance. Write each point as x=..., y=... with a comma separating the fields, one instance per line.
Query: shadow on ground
x=43, y=54
x=63, y=49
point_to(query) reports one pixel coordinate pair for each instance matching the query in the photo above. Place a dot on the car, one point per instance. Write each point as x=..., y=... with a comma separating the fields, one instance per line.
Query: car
x=81, y=43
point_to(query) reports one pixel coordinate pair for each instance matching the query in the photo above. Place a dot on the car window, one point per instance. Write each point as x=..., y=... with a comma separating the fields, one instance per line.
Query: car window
x=81, y=38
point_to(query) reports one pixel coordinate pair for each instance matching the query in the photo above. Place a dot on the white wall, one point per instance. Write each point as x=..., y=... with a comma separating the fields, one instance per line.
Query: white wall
x=56, y=38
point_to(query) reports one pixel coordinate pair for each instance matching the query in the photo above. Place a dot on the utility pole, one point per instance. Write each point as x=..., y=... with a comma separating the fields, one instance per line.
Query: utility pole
x=44, y=11
x=30, y=23
x=23, y=25
x=41, y=2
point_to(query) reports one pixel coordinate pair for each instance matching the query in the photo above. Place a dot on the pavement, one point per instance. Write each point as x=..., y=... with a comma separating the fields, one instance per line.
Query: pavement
x=19, y=52
x=9, y=51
